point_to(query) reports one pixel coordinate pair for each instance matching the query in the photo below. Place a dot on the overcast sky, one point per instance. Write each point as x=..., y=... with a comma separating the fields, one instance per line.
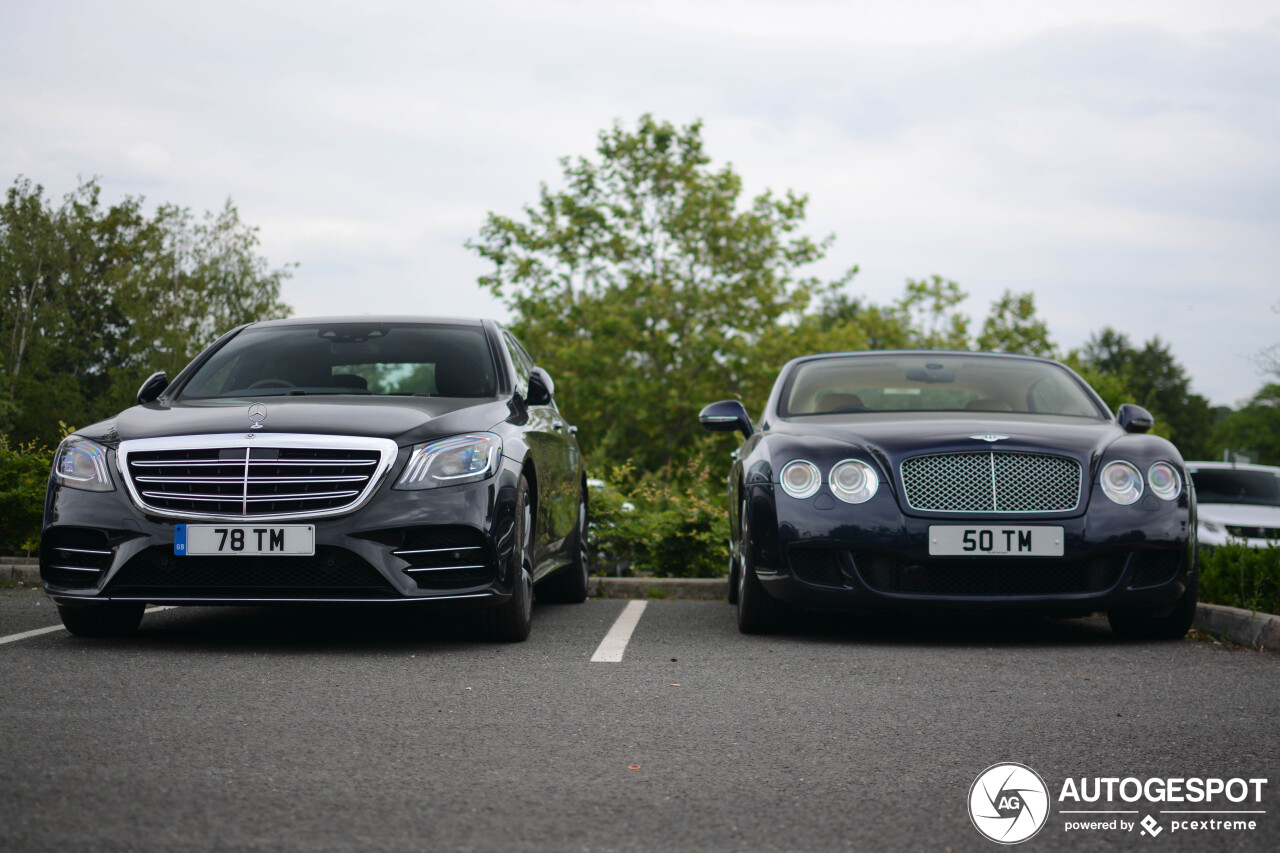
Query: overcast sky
x=1119, y=159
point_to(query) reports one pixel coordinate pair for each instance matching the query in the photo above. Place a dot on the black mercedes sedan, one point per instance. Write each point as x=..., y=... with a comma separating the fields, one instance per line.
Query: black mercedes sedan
x=927, y=480
x=388, y=460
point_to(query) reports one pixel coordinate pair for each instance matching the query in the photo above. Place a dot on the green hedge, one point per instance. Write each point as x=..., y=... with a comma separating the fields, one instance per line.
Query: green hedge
x=24, y=474
x=651, y=526
x=1241, y=577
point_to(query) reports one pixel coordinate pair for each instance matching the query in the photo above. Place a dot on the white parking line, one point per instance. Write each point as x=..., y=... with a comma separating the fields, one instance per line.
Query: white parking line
x=615, y=642
x=13, y=638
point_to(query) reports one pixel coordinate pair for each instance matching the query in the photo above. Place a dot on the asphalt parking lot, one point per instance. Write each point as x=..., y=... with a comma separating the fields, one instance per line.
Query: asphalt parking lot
x=394, y=729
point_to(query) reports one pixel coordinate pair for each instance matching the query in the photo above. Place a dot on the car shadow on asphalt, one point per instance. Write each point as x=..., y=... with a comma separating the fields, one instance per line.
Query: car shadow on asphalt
x=958, y=630
x=319, y=628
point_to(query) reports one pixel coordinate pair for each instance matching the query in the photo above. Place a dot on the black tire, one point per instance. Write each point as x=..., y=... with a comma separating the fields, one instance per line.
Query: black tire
x=569, y=584
x=106, y=619
x=511, y=621
x=1169, y=623
x=758, y=612
x=734, y=564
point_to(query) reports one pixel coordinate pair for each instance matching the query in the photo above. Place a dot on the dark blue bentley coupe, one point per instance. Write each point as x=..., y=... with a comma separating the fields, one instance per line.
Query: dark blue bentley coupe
x=955, y=480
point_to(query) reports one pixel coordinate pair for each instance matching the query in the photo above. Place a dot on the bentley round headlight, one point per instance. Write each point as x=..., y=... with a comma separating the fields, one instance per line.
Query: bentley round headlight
x=1121, y=482
x=1165, y=481
x=853, y=481
x=800, y=478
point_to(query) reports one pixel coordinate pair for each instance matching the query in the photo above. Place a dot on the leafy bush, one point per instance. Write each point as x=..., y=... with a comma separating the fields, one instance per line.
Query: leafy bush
x=24, y=473
x=1241, y=577
x=652, y=526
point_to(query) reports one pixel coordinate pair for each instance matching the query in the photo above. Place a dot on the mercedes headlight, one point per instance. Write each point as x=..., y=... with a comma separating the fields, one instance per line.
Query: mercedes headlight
x=82, y=464
x=1121, y=482
x=854, y=481
x=451, y=461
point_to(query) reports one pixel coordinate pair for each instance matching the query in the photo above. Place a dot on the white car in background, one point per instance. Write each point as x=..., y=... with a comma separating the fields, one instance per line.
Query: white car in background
x=1237, y=503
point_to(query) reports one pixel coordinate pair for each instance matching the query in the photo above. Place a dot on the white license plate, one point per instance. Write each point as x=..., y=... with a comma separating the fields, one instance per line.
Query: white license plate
x=994, y=540
x=281, y=540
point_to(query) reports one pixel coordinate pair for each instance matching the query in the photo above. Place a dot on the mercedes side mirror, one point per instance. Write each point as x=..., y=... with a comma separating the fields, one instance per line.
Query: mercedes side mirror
x=726, y=416
x=152, y=388
x=1134, y=418
x=541, y=388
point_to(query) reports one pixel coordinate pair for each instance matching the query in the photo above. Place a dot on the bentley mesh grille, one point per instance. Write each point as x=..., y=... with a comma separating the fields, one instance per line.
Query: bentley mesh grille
x=252, y=482
x=992, y=481
x=819, y=566
x=1153, y=568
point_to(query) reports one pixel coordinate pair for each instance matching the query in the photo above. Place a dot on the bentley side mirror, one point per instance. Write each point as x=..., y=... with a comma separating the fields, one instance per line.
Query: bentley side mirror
x=1134, y=418
x=152, y=388
x=541, y=388
x=726, y=416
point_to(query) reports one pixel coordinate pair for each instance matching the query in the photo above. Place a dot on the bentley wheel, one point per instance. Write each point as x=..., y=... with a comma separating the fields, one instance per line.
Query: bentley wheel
x=735, y=564
x=108, y=619
x=758, y=612
x=1171, y=623
x=510, y=622
x=569, y=584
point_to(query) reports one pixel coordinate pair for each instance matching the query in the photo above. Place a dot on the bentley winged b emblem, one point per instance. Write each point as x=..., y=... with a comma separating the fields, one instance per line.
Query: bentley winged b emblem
x=992, y=438
x=257, y=414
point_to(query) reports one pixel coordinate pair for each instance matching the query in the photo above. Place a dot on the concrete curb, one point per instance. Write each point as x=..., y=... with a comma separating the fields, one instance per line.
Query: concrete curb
x=687, y=589
x=1260, y=631
x=20, y=570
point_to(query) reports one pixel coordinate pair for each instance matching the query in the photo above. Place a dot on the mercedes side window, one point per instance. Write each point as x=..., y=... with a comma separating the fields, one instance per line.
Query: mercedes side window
x=520, y=361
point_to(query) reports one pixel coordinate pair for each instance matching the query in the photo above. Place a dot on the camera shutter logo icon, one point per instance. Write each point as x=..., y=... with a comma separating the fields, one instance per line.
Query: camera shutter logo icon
x=1008, y=803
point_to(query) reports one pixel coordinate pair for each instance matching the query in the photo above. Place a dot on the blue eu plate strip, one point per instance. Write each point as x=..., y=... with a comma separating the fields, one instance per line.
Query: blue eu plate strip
x=180, y=539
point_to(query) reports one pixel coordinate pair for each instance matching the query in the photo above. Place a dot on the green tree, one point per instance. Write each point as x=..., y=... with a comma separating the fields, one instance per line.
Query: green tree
x=1268, y=359
x=59, y=269
x=1157, y=382
x=930, y=311
x=196, y=278
x=92, y=297
x=1012, y=326
x=1254, y=426
x=650, y=288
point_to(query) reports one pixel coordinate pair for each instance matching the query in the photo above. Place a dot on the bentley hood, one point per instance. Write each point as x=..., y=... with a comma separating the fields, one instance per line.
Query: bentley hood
x=897, y=436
